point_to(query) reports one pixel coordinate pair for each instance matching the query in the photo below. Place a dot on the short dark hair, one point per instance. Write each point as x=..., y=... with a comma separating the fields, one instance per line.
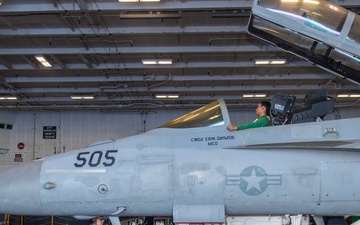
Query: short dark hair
x=267, y=105
x=98, y=217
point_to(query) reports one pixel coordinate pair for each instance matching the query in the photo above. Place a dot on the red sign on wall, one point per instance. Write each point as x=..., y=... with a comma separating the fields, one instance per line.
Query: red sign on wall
x=21, y=145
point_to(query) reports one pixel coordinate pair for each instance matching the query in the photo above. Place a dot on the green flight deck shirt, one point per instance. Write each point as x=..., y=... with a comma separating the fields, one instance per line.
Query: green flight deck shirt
x=262, y=121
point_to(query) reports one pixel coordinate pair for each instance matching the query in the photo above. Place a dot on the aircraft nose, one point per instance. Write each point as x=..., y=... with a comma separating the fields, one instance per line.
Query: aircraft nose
x=19, y=189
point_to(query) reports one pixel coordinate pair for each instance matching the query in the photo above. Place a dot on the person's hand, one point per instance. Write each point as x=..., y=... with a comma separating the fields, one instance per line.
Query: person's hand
x=231, y=127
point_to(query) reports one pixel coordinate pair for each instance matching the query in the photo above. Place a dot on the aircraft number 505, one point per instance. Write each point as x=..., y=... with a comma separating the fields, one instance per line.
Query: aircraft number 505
x=95, y=158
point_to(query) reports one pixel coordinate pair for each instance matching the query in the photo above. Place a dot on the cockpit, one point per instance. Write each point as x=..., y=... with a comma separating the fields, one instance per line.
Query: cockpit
x=282, y=110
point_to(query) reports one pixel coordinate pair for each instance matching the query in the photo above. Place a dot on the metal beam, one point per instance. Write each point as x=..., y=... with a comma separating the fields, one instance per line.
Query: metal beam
x=88, y=16
x=99, y=99
x=179, y=78
x=55, y=4
x=68, y=21
x=140, y=50
x=57, y=61
x=8, y=23
x=121, y=30
x=5, y=63
x=31, y=62
x=86, y=61
x=171, y=89
x=110, y=6
x=177, y=65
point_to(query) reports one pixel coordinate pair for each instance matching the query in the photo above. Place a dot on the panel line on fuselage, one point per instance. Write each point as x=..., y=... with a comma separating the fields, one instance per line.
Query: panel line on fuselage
x=76, y=171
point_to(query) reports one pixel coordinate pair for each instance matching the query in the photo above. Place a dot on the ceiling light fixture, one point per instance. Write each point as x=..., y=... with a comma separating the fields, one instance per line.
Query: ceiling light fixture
x=270, y=61
x=84, y=97
x=149, y=62
x=278, y=61
x=164, y=62
x=156, y=62
x=254, y=95
x=262, y=61
x=8, y=98
x=348, y=95
x=43, y=61
x=167, y=96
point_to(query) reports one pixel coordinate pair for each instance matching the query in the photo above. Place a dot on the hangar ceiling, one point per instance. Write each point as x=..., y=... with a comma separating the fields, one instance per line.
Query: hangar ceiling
x=96, y=48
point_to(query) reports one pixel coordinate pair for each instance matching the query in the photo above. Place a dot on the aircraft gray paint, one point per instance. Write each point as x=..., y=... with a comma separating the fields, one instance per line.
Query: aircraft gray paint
x=192, y=165
x=194, y=170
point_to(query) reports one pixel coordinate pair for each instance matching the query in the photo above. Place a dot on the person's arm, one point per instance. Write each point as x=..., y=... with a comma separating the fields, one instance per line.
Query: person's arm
x=260, y=122
x=231, y=127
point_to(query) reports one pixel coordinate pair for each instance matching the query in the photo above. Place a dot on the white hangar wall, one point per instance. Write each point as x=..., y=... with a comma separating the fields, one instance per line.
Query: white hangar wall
x=73, y=130
x=24, y=137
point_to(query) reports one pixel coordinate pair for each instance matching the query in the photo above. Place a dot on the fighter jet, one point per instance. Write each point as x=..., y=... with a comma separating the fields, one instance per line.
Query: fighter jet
x=196, y=171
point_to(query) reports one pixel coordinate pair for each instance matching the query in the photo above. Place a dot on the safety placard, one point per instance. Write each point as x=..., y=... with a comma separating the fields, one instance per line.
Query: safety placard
x=49, y=132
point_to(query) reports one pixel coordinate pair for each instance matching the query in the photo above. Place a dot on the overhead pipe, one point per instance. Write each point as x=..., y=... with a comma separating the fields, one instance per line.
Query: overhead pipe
x=120, y=85
x=168, y=77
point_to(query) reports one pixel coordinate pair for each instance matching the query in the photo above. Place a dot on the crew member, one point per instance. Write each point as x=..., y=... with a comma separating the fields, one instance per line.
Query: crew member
x=263, y=120
x=98, y=220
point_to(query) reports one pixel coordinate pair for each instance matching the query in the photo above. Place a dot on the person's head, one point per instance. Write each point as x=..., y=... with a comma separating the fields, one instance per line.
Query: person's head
x=98, y=220
x=263, y=108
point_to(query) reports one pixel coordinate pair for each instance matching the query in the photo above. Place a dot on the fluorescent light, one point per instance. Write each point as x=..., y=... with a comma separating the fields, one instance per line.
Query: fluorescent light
x=254, y=95
x=247, y=96
x=149, y=62
x=128, y=0
x=278, y=61
x=76, y=97
x=165, y=62
x=261, y=62
x=348, y=96
x=43, y=61
x=260, y=95
x=160, y=96
x=88, y=97
x=270, y=61
x=156, y=62
x=167, y=96
x=8, y=98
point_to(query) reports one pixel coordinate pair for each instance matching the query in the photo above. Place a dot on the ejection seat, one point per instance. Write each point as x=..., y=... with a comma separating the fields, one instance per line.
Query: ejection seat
x=316, y=106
